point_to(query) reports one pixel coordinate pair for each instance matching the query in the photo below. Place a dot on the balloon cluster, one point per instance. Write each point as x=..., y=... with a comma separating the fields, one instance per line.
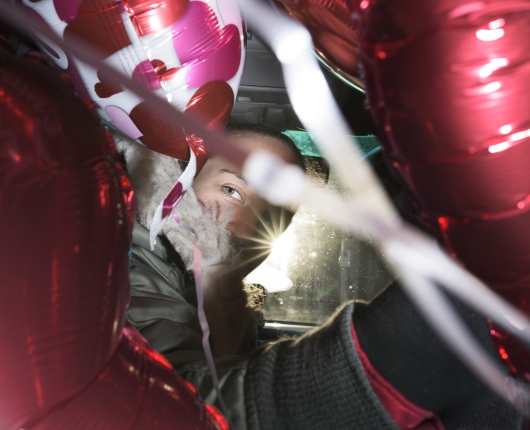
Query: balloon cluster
x=446, y=87
x=67, y=350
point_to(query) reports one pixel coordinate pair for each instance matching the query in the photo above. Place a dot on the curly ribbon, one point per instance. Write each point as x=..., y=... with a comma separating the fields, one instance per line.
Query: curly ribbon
x=165, y=209
x=197, y=272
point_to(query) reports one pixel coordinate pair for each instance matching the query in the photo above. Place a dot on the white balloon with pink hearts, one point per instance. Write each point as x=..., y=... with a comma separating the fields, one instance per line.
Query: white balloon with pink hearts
x=203, y=45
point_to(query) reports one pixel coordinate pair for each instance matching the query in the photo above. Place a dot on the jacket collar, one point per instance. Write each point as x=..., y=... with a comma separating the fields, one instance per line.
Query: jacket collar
x=140, y=238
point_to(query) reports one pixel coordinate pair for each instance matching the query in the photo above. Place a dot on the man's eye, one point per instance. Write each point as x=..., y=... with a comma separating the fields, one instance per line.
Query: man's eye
x=232, y=192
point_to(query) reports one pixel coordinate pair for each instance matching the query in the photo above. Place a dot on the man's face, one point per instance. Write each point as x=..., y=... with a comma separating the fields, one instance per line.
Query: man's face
x=222, y=187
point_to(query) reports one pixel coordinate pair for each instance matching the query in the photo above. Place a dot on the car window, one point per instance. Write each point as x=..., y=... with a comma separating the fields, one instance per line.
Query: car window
x=314, y=267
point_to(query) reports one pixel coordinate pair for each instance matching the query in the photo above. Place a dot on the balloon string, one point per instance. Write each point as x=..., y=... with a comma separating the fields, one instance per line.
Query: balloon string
x=197, y=272
x=166, y=207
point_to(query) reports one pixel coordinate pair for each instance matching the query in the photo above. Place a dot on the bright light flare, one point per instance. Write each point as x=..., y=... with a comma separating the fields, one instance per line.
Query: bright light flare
x=155, y=24
x=272, y=279
x=505, y=129
x=511, y=139
x=282, y=247
x=498, y=23
x=523, y=203
x=499, y=147
x=490, y=35
x=491, y=87
x=272, y=274
x=481, y=90
x=494, y=64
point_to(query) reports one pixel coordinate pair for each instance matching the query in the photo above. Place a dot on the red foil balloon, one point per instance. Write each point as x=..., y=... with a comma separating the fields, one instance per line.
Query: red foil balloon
x=333, y=33
x=68, y=358
x=448, y=83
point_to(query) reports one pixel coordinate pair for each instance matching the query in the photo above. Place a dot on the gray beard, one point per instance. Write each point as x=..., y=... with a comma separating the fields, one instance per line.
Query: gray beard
x=152, y=176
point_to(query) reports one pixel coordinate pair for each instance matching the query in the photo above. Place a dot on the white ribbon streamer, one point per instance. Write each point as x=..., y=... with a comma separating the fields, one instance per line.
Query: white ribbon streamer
x=197, y=272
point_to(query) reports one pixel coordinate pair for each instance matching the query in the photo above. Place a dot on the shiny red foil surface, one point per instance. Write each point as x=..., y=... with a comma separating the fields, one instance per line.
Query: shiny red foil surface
x=447, y=84
x=149, y=16
x=68, y=359
x=333, y=33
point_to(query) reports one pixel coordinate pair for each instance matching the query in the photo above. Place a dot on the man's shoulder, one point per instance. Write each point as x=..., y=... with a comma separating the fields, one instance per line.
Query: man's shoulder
x=150, y=273
x=152, y=268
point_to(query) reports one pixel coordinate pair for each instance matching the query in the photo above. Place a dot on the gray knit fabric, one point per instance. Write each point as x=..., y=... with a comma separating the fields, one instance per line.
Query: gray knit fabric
x=285, y=379
x=498, y=415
